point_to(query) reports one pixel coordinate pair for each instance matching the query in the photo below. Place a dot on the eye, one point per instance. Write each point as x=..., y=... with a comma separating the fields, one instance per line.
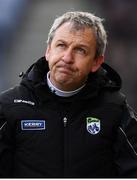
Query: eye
x=61, y=45
x=81, y=50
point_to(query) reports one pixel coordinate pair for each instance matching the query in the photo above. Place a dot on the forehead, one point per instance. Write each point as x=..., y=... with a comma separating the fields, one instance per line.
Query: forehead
x=70, y=32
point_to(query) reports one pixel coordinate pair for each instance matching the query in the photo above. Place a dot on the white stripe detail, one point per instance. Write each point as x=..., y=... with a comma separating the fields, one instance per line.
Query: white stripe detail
x=23, y=101
x=3, y=125
x=128, y=141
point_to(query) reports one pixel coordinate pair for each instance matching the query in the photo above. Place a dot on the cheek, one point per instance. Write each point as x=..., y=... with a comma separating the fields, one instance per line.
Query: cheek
x=85, y=68
x=52, y=60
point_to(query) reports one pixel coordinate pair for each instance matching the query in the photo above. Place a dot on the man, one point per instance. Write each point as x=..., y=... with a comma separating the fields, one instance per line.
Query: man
x=67, y=118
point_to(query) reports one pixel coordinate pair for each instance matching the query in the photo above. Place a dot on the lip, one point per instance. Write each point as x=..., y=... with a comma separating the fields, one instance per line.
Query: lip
x=65, y=69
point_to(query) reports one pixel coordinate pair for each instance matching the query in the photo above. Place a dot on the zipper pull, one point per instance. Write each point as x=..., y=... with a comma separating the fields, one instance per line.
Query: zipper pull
x=65, y=121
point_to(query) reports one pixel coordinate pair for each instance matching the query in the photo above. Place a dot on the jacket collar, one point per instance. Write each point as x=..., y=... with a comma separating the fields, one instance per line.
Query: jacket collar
x=105, y=78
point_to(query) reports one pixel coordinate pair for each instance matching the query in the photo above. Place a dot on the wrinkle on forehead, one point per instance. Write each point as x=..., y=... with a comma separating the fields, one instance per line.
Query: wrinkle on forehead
x=79, y=30
x=84, y=34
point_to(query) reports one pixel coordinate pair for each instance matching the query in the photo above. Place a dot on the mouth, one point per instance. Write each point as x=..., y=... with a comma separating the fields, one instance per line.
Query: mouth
x=65, y=70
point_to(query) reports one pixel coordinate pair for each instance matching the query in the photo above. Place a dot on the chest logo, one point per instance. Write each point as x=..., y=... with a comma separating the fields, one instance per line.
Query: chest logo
x=93, y=125
x=33, y=124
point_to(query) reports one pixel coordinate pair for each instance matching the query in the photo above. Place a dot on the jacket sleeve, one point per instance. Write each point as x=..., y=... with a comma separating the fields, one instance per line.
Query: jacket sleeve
x=126, y=144
x=6, y=147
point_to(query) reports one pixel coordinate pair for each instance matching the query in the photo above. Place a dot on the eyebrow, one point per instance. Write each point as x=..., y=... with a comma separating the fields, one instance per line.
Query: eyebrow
x=79, y=45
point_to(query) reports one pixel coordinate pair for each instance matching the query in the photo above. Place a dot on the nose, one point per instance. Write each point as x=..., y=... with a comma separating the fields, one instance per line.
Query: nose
x=68, y=56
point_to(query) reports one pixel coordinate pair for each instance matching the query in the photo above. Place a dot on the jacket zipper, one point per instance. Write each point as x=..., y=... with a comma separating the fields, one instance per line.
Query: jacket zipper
x=65, y=146
x=65, y=121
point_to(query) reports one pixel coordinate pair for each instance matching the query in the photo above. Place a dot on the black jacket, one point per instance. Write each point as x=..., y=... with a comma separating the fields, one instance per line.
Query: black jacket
x=91, y=134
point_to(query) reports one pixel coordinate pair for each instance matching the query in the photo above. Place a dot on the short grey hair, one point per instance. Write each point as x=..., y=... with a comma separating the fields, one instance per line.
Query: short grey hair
x=82, y=20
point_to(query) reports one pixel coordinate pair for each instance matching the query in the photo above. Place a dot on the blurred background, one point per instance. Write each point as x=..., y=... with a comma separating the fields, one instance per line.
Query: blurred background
x=24, y=26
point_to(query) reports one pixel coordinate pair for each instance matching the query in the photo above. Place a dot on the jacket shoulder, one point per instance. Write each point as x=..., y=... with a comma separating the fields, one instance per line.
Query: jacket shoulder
x=9, y=95
x=114, y=97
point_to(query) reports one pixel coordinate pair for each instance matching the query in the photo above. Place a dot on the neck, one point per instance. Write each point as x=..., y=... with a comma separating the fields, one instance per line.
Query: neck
x=60, y=92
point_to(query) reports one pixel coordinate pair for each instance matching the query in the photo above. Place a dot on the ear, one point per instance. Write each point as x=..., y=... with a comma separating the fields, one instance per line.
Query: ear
x=97, y=63
x=47, y=53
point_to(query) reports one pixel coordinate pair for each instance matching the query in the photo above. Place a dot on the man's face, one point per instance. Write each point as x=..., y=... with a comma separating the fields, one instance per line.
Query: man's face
x=71, y=56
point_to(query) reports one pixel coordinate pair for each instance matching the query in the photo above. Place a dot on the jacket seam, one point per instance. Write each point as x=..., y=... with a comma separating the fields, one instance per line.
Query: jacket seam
x=128, y=141
x=3, y=125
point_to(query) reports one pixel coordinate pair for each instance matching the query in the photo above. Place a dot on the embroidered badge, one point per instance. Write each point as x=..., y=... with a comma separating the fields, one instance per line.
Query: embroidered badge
x=33, y=124
x=93, y=125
